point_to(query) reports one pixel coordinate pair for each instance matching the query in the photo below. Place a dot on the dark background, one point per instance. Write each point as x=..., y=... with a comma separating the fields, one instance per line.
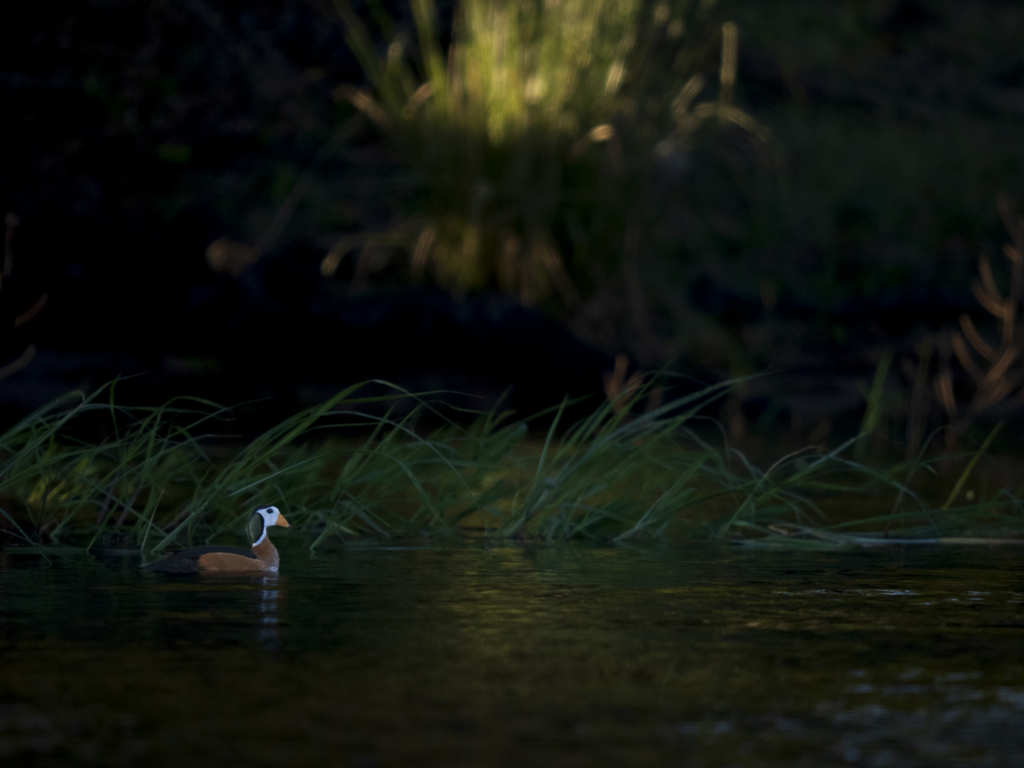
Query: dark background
x=134, y=134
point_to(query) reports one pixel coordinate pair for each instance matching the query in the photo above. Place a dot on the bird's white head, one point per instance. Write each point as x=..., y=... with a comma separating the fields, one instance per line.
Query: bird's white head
x=261, y=519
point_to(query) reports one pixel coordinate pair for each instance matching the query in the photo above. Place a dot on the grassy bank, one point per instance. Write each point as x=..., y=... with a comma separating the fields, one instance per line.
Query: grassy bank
x=162, y=476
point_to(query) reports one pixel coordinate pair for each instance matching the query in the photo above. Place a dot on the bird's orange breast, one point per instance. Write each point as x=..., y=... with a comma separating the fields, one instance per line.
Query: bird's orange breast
x=229, y=562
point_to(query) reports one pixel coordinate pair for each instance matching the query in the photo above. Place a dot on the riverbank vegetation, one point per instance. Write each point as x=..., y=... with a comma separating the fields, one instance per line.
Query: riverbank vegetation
x=815, y=201
x=633, y=470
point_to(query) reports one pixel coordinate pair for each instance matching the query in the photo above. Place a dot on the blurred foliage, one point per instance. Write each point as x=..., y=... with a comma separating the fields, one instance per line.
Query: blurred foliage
x=895, y=124
x=541, y=136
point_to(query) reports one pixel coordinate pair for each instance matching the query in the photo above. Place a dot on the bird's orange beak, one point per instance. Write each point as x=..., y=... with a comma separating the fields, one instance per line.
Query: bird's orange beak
x=281, y=521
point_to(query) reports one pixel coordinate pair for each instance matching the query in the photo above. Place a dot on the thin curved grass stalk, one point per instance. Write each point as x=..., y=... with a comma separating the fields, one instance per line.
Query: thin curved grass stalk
x=970, y=466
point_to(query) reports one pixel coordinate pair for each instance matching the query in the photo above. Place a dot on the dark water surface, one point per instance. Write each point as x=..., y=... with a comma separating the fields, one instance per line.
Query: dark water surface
x=565, y=656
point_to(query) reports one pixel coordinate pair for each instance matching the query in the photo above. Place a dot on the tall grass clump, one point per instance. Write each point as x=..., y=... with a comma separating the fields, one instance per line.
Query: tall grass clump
x=52, y=483
x=341, y=469
x=537, y=136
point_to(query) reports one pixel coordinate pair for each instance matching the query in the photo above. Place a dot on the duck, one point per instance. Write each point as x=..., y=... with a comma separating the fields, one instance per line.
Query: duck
x=262, y=558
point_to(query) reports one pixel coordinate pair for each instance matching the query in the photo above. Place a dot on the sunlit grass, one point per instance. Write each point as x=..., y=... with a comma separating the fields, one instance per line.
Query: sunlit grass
x=537, y=135
x=339, y=470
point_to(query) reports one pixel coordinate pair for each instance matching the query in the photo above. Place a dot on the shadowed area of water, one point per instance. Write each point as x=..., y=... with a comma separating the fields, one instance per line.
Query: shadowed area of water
x=564, y=656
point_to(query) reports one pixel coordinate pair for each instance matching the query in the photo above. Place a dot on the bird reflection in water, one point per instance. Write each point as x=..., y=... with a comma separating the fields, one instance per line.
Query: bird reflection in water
x=269, y=609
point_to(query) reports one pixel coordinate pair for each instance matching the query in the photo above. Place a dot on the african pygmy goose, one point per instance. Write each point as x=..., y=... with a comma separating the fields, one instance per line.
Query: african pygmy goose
x=262, y=558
